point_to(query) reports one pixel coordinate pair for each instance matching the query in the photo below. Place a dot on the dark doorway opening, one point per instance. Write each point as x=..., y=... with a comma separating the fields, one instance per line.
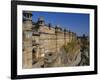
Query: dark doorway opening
x=34, y=56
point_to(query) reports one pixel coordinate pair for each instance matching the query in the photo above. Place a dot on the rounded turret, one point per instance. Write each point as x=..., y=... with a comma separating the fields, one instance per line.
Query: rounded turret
x=27, y=16
x=41, y=21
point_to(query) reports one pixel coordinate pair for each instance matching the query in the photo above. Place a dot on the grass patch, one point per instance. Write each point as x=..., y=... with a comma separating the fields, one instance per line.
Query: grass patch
x=71, y=47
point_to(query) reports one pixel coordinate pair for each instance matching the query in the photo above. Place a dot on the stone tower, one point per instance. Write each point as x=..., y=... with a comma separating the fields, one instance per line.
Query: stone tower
x=27, y=39
x=41, y=21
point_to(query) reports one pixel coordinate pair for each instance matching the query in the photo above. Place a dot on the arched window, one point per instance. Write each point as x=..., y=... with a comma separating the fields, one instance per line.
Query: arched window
x=33, y=51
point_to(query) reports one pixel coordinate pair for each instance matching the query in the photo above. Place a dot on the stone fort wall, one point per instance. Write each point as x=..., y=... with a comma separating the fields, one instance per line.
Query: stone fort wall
x=39, y=41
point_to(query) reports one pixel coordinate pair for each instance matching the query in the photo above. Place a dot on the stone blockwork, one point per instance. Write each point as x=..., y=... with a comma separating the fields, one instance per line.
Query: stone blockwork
x=40, y=39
